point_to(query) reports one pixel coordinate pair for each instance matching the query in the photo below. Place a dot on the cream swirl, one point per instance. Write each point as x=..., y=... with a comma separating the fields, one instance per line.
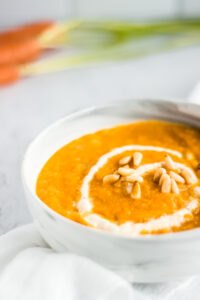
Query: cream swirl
x=85, y=204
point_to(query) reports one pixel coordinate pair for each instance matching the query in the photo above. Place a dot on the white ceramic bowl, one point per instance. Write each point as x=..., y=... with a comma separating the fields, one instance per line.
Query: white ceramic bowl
x=142, y=259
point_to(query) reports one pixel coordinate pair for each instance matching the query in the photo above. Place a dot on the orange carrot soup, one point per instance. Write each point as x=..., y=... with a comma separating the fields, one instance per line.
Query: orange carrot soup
x=139, y=178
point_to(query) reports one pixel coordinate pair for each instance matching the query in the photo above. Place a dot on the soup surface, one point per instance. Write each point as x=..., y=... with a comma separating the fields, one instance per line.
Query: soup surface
x=139, y=178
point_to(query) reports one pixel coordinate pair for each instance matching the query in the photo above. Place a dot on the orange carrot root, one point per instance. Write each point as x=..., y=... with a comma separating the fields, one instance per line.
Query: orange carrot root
x=25, y=32
x=22, y=52
x=9, y=75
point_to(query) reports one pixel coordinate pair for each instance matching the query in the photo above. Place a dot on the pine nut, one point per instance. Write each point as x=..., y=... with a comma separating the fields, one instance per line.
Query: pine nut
x=125, y=171
x=175, y=188
x=176, y=177
x=189, y=176
x=169, y=162
x=166, y=184
x=133, y=178
x=159, y=172
x=126, y=166
x=161, y=179
x=124, y=160
x=111, y=178
x=136, y=191
x=137, y=158
x=128, y=187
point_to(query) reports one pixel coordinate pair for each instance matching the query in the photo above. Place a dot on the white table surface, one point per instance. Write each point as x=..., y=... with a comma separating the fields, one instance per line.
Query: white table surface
x=32, y=104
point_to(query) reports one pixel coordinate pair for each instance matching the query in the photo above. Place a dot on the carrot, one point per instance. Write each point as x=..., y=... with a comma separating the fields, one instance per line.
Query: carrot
x=20, y=45
x=25, y=32
x=22, y=52
x=9, y=75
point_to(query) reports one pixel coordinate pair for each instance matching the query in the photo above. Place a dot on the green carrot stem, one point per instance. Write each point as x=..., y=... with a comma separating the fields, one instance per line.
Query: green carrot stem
x=79, y=32
x=51, y=34
x=106, y=55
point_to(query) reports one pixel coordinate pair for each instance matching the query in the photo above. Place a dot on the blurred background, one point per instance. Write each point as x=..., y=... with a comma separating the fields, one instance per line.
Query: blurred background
x=14, y=12
x=31, y=104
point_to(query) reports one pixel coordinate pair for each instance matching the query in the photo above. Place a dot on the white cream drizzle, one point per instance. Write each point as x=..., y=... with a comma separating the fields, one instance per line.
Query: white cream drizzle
x=129, y=228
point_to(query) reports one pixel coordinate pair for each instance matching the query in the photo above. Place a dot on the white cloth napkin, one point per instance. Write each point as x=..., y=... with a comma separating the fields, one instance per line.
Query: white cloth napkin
x=30, y=270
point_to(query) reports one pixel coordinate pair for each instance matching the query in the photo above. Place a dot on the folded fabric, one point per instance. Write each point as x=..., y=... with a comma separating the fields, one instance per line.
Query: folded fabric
x=29, y=270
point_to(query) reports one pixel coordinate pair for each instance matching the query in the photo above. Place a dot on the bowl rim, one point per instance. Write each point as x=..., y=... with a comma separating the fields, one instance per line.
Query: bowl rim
x=172, y=236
